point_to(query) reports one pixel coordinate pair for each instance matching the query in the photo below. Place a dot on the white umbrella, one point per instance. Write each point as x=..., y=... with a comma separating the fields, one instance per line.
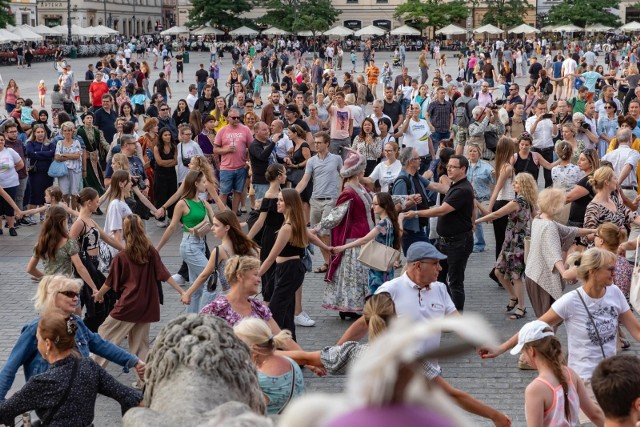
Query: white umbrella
x=523, y=28
x=405, y=30
x=207, y=30
x=548, y=28
x=76, y=30
x=631, y=26
x=43, y=30
x=451, y=30
x=339, y=31
x=306, y=33
x=174, y=31
x=26, y=34
x=490, y=29
x=597, y=27
x=244, y=31
x=273, y=31
x=106, y=30
x=98, y=31
x=370, y=30
x=569, y=28
x=8, y=36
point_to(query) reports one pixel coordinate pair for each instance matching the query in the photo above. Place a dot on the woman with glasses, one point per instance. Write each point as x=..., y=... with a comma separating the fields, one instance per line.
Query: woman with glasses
x=59, y=293
x=40, y=153
x=591, y=314
x=69, y=151
x=607, y=126
x=385, y=172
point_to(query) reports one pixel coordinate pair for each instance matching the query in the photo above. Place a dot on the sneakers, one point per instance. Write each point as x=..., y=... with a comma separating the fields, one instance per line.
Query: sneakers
x=13, y=232
x=303, y=319
x=162, y=224
x=179, y=279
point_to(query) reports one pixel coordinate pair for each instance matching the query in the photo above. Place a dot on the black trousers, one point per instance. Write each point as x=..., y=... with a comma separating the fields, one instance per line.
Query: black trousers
x=457, y=249
x=547, y=154
x=499, y=226
x=289, y=276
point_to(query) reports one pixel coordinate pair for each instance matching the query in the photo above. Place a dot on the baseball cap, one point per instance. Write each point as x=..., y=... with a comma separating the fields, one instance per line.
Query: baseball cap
x=530, y=332
x=423, y=250
x=293, y=108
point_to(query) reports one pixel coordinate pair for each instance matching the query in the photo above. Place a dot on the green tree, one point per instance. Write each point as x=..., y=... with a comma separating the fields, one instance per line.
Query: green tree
x=300, y=15
x=506, y=13
x=6, y=18
x=217, y=12
x=583, y=13
x=432, y=13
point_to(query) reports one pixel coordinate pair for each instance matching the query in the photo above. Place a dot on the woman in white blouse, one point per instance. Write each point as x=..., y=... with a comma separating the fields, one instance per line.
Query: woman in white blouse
x=387, y=171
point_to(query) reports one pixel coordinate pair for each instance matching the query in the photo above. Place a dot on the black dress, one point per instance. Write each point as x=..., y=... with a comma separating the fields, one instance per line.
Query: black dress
x=526, y=165
x=272, y=224
x=166, y=180
x=297, y=174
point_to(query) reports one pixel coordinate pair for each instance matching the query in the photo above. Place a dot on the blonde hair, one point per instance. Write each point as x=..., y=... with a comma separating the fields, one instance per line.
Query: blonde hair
x=378, y=311
x=202, y=164
x=67, y=126
x=600, y=177
x=237, y=265
x=119, y=162
x=48, y=288
x=257, y=335
x=551, y=201
x=589, y=260
x=528, y=189
x=611, y=235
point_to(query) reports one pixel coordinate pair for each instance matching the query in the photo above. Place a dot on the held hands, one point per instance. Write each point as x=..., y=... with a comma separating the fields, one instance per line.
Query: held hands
x=97, y=297
x=160, y=212
x=18, y=214
x=320, y=372
x=140, y=368
x=502, y=420
x=185, y=298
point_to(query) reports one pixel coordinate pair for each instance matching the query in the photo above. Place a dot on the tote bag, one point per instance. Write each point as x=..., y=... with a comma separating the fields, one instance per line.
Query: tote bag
x=378, y=256
x=57, y=169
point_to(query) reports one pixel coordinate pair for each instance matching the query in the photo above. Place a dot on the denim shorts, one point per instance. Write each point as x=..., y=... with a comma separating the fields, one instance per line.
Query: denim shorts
x=232, y=180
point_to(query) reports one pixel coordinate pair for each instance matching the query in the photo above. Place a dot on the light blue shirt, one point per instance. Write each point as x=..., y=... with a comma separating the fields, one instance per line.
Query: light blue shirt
x=481, y=178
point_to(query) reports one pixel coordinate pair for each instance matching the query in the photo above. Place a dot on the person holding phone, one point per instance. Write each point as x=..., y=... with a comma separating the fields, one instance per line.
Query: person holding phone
x=543, y=129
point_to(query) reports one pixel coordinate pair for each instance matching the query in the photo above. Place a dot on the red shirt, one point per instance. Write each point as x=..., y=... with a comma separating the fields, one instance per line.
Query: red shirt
x=138, y=287
x=97, y=89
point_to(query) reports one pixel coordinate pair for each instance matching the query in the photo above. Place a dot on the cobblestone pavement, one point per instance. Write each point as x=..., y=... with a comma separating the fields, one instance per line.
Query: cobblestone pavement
x=496, y=382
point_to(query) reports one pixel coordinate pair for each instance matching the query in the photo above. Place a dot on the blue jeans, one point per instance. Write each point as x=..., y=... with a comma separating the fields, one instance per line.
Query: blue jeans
x=192, y=252
x=479, y=244
x=201, y=86
x=260, y=190
x=410, y=237
x=232, y=181
x=437, y=136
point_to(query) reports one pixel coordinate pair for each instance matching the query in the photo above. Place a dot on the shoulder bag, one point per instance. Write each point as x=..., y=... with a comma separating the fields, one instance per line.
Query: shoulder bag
x=293, y=386
x=377, y=256
x=57, y=169
x=593, y=322
x=634, y=293
x=202, y=228
x=55, y=409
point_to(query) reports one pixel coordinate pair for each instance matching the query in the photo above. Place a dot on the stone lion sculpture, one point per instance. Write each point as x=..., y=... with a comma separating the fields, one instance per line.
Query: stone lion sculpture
x=199, y=374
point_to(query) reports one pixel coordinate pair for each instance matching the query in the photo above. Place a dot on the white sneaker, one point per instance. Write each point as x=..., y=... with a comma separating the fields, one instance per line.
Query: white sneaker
x=179, y=279
x=303, y=319
x=161, y=224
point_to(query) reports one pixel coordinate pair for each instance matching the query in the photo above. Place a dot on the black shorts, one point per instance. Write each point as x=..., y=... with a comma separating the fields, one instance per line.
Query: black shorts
x=5, y=207
x=179, y=67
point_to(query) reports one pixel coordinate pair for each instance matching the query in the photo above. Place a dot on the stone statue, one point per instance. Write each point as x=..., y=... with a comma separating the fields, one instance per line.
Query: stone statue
x=199, y=374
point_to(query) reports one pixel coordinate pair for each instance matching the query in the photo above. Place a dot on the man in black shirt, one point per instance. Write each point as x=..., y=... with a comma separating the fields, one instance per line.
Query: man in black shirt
x=161, y=86
x=152, y=110
x=348, y=80
x=534, y=70
x=455, y=228
x=260, y=154
x=105, y=118
x=292, y=117
x=392, y=108
x=201, y=79
x=88, y=75
x=207, y=101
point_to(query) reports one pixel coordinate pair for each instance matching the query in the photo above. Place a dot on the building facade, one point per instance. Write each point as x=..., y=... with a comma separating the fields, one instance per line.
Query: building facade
x=24, y=11
x=130, y=17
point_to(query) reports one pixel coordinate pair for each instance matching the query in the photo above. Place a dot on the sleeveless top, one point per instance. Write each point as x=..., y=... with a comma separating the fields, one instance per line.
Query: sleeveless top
x=313, y=128
x=527, y=165
x=555, y=416
x=291, y=250
x=89, y=238
x=507, y=192
x=197, y=212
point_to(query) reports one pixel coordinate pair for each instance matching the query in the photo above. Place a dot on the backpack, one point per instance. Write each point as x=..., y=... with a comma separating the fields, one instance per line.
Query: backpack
x=463, y=118
x=426, y=201
x=369, y=96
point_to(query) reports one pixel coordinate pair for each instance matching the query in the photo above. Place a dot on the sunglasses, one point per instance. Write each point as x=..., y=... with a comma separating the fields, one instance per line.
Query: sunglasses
x=70, y=294
x=234, y=117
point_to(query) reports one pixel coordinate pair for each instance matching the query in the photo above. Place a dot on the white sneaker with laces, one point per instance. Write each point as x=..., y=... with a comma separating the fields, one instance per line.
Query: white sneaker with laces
x=179, y=279
x=303, y=319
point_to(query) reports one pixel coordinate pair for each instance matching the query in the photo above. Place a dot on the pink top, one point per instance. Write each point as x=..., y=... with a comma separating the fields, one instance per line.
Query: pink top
x=241, y=137
x=221, y=308
x=555, y=416
x=10, y=96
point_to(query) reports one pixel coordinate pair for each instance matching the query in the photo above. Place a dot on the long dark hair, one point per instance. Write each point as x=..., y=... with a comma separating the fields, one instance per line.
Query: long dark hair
x=53, y=231
x=374, y=132
x=386, y=202
x=241, y=244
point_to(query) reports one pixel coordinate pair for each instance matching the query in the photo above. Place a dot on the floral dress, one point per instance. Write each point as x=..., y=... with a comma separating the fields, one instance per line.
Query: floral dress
x=386, y=236
x=623, y=272
x=511, y=258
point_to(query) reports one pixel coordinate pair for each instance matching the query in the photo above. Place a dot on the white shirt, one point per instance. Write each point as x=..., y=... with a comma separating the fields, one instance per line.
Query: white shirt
x=543, y=136
x=191, y=101
x=8, y=174
x=432, y=302
x=569, y=66
x=386, y=174
x=186, y=150
x=621, y=156
x=116, y=212
x=283, y=145
x=417, y=136
x=584, y=349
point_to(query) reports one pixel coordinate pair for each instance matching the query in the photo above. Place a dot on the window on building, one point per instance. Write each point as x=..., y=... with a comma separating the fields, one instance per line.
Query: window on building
x=382, y=1
x=352, y=1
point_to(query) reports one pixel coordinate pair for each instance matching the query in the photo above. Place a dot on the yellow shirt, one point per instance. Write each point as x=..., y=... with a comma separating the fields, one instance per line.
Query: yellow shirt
x=635, y=145
x=222, y=121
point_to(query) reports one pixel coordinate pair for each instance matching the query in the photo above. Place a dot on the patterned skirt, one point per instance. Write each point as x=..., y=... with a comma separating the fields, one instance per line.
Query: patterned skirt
x=349, y=286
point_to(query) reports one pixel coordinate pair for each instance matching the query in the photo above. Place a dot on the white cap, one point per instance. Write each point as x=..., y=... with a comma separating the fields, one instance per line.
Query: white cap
x=532, y=331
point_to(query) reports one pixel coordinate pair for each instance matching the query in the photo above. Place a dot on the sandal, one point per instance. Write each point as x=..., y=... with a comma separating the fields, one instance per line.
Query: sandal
x=518, y=316
x=322, y=269
x=512, y=306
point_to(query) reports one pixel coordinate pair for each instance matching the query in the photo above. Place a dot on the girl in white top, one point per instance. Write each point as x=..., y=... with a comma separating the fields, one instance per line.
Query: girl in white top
x=385, y=172
x=118, y=209
x=555, y=397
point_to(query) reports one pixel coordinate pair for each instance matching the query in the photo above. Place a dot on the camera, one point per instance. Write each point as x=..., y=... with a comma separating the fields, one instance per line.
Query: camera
x=492, y=106
x=499, y=102
x=585, y=126
x=547, y=115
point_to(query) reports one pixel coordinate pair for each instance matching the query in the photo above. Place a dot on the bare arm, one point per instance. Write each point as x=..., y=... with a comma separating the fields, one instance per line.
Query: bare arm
x=357, y=331
x=283, y=237
x=179, y=211
x=257, y=226
x=510, y=207
x=303, y=183
x=32, y=267
x=82, y=271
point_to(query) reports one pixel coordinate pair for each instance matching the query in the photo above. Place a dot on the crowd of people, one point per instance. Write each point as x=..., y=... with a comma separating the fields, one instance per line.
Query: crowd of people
x=282, y=157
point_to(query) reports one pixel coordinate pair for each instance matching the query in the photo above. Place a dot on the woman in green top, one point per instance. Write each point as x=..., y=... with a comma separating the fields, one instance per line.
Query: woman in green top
x=57, y=251
x=191, y=210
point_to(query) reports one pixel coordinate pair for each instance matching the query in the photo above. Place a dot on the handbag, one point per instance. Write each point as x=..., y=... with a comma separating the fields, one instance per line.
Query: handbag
x=212, y=282
x=634, y=293
x=377, y=256
x=57, y=169
x=202, y=228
